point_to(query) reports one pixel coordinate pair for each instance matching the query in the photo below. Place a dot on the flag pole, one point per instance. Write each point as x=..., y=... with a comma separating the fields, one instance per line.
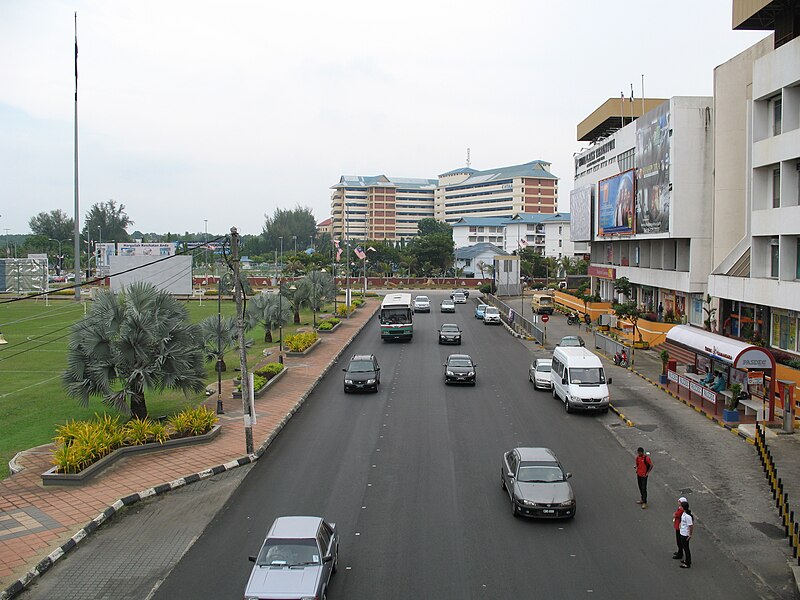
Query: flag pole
x=642, y=93
x=76, y=231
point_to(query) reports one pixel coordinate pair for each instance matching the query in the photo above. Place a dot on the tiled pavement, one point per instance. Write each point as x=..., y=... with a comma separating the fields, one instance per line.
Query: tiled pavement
x=35, y=519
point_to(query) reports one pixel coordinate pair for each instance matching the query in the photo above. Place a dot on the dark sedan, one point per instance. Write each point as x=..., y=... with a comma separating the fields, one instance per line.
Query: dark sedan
x=537, y=484
x=459, y=368
x=450, y=333
x=362, y=374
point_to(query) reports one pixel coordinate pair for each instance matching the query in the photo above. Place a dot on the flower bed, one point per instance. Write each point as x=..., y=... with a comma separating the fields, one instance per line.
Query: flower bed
x=262, y=379
x=301, y=344
x=83, y=448
x=328, y=325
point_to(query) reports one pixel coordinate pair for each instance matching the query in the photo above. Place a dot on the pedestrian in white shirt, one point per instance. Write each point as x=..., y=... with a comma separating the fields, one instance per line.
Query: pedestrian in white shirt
x=686, y=529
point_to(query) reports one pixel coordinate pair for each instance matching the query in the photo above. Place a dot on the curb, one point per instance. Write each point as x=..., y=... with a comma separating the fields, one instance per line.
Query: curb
x=712, y=418
x=627, y=421
x=44, y=565
x=517, y=335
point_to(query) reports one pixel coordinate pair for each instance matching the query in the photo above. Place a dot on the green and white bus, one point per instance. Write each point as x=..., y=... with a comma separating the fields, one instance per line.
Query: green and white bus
x=396, y=317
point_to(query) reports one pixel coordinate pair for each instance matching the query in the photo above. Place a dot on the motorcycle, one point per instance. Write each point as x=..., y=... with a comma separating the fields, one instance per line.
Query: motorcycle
x=572, y=319
x=621, y=358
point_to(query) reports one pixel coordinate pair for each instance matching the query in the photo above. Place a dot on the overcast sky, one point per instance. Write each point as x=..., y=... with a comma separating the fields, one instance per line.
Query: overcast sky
x=224, y=111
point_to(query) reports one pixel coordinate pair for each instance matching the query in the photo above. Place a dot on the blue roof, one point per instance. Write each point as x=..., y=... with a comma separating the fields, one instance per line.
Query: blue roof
x=535, y=168
x=366, y=181
x=478, y=249
x=462, y=170
x=537, y=218
x=480, y=221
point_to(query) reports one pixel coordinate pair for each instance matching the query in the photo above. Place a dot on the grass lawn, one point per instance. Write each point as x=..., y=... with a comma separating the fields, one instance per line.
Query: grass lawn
x=32, y=401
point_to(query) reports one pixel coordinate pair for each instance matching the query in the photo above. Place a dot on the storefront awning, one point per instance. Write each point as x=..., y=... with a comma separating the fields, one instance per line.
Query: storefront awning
x=738, y=354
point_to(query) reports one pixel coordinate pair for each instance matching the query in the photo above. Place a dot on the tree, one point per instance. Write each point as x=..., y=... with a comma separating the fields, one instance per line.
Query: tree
x=711, y=313
x=268, y=311
x=135, y=341
x=631, y=312
x=321, y=288
x=54, y=225
x=566, y=266
x=220, y=335
x=298, y=222
x=298, y=297
x=431, y=226
x=435, y=249
x=112, y=220
x=623, y=287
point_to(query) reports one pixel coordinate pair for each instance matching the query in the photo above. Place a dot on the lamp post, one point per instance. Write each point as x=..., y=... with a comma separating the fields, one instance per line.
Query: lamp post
x=220, y=408
x=205, y=246
x=280, y=306
x=97, y=262
x=294, y=238
x=60, y=256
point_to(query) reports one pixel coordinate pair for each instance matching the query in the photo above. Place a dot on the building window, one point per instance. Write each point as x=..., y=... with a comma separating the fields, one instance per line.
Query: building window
x=559, y=243
x=797, y=261
x=776, y=188
x=777, y=110
x=467, y=262
x=559, y=230
x=775, y=251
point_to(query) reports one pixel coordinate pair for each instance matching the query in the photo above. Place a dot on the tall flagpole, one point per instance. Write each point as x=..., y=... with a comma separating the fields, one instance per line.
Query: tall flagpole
x=76, y=233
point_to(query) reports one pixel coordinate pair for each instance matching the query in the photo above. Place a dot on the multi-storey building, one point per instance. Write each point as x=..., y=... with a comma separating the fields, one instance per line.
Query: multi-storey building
x=380, y=208
x=389, y=208
x=643, y=195
x=756, y=276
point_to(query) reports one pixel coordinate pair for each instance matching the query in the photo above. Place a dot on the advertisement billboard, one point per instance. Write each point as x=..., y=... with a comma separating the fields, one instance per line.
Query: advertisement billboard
x=652, y=160
x=580, y=214
x=145, y=249
x=615, y=204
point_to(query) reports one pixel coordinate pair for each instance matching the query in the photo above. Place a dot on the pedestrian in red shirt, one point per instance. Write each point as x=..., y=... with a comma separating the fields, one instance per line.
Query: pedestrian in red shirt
x=643, y=468
x=676, y=523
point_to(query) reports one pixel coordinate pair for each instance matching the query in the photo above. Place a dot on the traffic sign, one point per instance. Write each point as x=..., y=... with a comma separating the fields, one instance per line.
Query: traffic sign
x=545, y=318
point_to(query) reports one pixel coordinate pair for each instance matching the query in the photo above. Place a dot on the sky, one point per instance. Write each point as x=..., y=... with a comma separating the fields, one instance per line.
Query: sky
x=224, y=111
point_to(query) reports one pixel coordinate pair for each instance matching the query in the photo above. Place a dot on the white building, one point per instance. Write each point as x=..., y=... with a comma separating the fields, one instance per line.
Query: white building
x=477, y=260
x=650, y=185
x=756, y=279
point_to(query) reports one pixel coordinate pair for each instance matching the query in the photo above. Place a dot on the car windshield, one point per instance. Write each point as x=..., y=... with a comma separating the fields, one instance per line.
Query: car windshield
x=491, y=310
x=585, y=376
x=481, y=307
x=459, y=362
x=361, y=366
x=539, y=474
x=421, y=299
x=544, y=368
x=288, y=553
x=447, y=302
x=571, y=341
x=449, y=328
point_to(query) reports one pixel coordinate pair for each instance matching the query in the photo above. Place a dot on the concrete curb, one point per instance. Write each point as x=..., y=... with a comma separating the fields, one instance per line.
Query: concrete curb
x=43, y=566
x=627, y=421
x=517, y=335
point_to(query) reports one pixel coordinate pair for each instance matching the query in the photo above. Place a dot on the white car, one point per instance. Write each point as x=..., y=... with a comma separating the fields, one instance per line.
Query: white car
x=491, y=316
x=422, y=304
x=459, y=298
x=539, y=373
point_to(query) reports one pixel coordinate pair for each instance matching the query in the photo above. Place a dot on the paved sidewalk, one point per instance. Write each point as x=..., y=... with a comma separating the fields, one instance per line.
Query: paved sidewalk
x=35, y=520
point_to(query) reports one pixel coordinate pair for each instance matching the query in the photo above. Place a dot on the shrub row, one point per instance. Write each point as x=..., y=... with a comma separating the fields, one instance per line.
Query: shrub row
x=300, y=342
x=81, y=443
x=262, y=376
x=328, y=324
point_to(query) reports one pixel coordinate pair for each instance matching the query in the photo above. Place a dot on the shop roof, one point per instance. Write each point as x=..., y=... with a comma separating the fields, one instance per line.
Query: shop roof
x=736, y=353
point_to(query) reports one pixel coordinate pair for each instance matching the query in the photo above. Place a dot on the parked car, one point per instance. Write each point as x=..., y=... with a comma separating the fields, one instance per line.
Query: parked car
x=362, y=374
x=491, y=316
x=459, y=298
x=296, y=560
x=479, y=311
x=459, y=368
x=571, y=340
x=448, y=306
x=460, y=291
x=450, y=333
x=422, y=304
x=537, y=484
x=539, y=373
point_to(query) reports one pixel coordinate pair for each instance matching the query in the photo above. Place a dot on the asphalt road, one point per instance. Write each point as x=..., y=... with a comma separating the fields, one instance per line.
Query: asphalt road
x=411, y=476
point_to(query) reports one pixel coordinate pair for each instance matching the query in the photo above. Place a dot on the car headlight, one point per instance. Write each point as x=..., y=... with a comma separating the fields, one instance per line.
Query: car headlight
x=370, y=381
x=604, y=399
x=529, y=503
x=568, y=503
x=450, y=373
x=348, y=381
x=471, y=373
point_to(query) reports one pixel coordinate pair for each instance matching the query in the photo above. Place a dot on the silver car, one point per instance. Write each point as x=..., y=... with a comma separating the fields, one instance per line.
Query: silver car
x=296, y=560
x=491, y=316
x=537, y=484
x=539, y=373
x=422, y=304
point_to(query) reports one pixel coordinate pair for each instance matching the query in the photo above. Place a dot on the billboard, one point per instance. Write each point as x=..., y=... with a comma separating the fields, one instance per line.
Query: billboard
x=615, y=204
x=652, y=159
x=173, y=275
x=145, y=249
x=580, y=214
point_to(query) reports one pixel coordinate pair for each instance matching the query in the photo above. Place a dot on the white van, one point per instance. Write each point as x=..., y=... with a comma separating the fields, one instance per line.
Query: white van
x=579, y=379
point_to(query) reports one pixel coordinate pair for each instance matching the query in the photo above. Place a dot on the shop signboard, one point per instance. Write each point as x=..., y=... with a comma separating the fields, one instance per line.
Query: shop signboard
x=755, y=378
x=615, y=204
x=710, y=395
x=672, y=376
x=696, y=388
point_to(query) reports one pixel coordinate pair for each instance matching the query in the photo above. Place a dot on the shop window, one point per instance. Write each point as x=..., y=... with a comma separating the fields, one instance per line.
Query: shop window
x=776, y=188
x=784, y=331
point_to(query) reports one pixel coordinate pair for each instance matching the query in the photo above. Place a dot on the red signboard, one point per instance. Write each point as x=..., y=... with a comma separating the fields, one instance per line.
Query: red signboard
x=603, y=272
x=545, y=318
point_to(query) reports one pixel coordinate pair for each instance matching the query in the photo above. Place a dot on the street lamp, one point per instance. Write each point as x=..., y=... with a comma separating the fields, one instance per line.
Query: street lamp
x=294, y=237
x=314, y=296
x=97, y=263
x=220, y=408
x=60, y=255
x=280, y=305
x=205, y=246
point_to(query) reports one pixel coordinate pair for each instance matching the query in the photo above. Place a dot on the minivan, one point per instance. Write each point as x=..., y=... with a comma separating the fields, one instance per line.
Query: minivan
x=579, y=380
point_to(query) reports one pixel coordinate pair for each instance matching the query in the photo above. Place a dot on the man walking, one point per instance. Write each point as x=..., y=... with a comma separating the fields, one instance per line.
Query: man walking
x=676, y=523
x=643, y=468
x=686, y=531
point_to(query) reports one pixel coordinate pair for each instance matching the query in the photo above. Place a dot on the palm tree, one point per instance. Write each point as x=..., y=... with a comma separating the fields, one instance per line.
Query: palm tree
x=321, y=288
x=295, y=267
x=298, y=297
x=140, y=339
x=268, y=311
x=220, y=332
x=566, y=265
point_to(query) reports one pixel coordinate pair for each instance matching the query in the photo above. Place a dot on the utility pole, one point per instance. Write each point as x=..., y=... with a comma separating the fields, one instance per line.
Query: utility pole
x=237, y=292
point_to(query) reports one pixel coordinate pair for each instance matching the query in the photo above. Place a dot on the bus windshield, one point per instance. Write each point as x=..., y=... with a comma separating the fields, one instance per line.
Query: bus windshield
x=395, y=316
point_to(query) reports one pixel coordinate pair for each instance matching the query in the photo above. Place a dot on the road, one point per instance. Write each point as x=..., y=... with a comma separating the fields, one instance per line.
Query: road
x=411, y=477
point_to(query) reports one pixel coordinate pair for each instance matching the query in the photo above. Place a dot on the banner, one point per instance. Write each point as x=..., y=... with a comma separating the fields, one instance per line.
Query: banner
x=145, y=249
x=615, y=204
x=652, y=159
x=580, y=214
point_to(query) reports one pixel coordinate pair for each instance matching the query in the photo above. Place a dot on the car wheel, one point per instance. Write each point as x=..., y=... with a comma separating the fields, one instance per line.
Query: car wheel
x=566, y=406
x=346, y=391
x=555, y=396
x=605, y=411
x=502, y=481
x=514, y=508
x=459, y=342
x=335, y=566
